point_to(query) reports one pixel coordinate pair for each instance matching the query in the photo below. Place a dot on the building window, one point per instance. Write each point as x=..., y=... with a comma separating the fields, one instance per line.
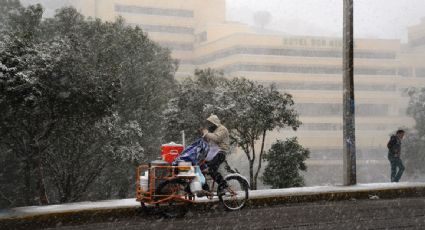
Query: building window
x=164, y=29
x=319, y=109
x=372, y=110
x=330, y=87
x=321, y=126
x=177, y=46
x=305, y=69
x=337, y=126
x=420, y=72
x=201, y=37
x=405, y=72
x=418, y=42
x=330, y=109
x=370, y=55
x=153, y=11
x=290, y=53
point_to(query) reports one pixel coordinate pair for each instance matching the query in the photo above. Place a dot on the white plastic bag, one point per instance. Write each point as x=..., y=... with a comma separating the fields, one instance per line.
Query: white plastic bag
x=199, y=174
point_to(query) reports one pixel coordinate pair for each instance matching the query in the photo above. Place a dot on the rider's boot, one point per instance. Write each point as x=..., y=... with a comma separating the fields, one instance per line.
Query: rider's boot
x=222, y=188
x=205, y=191
x=206, y=187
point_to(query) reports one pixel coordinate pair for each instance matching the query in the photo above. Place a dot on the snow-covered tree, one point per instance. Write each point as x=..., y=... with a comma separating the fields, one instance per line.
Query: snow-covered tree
x=75, y=163
x=247, y=109
x=414, y=143
x=190, y=107
x=262, y=18
x=6, y=8
x=64, y=79
x=27, y=119
x=250, y=111
x=285, y=161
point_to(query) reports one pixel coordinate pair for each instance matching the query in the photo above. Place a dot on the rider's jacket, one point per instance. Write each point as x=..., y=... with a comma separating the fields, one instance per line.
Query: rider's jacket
x=219, y=137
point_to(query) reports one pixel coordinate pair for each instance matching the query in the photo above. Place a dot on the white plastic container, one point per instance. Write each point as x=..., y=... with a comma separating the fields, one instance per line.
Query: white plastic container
x=195, y=185
x=144, y=181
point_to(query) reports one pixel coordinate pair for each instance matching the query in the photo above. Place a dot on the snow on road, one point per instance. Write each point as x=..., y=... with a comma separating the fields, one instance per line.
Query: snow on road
x=130, y=203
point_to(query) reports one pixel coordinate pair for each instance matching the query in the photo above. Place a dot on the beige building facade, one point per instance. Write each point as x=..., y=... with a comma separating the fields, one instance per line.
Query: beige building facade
x=310, y=68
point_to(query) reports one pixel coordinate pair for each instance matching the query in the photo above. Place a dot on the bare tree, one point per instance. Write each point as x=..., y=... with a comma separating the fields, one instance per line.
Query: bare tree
x=262, y=18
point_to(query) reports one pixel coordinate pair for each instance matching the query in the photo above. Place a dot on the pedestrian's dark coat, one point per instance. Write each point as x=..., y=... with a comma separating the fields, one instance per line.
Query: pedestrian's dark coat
x=394, y=150
x=394, y=146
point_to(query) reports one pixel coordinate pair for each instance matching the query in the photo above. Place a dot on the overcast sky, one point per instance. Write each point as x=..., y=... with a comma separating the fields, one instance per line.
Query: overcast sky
x=373, y=18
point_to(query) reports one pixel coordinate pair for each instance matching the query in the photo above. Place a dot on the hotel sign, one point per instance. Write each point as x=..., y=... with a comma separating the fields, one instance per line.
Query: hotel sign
x=313, y=42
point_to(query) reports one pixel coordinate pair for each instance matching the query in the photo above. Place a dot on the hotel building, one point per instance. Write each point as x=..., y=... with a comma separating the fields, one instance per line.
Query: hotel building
x=310, y=68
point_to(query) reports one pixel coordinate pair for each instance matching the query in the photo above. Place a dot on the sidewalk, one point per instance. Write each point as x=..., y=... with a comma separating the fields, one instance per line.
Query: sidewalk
x=332, y=193
x=116, y=208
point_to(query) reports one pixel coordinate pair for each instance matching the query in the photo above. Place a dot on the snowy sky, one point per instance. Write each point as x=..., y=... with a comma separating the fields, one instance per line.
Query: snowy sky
x=373, y=18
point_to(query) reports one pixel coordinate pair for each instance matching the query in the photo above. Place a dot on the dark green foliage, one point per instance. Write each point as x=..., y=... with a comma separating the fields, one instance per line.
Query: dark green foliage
x=414, y=142
x=286, y=159
x=252, y=110
x=77, y=97
x=416, y=109
x=6, y=8
x=247, y=109
x=189, y=109
x=28, y=105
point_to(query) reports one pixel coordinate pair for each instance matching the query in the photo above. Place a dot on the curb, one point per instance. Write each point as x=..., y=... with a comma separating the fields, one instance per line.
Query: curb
x=67, y=218
x=339, y=196
x=111, y=214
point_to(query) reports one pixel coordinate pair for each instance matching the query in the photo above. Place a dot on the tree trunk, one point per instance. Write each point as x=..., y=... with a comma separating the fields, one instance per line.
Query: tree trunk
x=42, y=195
x=251, y=176
x=251, y=167
x=260, y=158
x=28, y=194
x=251, y=161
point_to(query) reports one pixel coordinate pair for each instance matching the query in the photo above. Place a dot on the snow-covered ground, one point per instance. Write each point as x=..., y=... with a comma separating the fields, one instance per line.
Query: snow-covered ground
x=333, y=189
x=129, y=203
x=69, y=207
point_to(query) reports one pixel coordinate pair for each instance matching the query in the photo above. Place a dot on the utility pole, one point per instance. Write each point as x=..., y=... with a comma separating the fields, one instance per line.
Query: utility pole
x=183, y=139
x=349, y=137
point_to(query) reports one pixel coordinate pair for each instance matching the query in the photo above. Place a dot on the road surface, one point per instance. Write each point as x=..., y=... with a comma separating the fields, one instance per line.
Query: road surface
x=407, y=213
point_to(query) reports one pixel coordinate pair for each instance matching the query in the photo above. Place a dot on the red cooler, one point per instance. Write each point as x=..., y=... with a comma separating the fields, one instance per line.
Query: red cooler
x=170, y=151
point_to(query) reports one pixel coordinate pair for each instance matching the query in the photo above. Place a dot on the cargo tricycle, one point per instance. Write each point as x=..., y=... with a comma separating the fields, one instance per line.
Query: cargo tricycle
x=174, y=188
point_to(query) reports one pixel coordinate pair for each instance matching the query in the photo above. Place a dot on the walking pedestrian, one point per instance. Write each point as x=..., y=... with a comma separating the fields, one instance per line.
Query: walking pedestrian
x=394, y=151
